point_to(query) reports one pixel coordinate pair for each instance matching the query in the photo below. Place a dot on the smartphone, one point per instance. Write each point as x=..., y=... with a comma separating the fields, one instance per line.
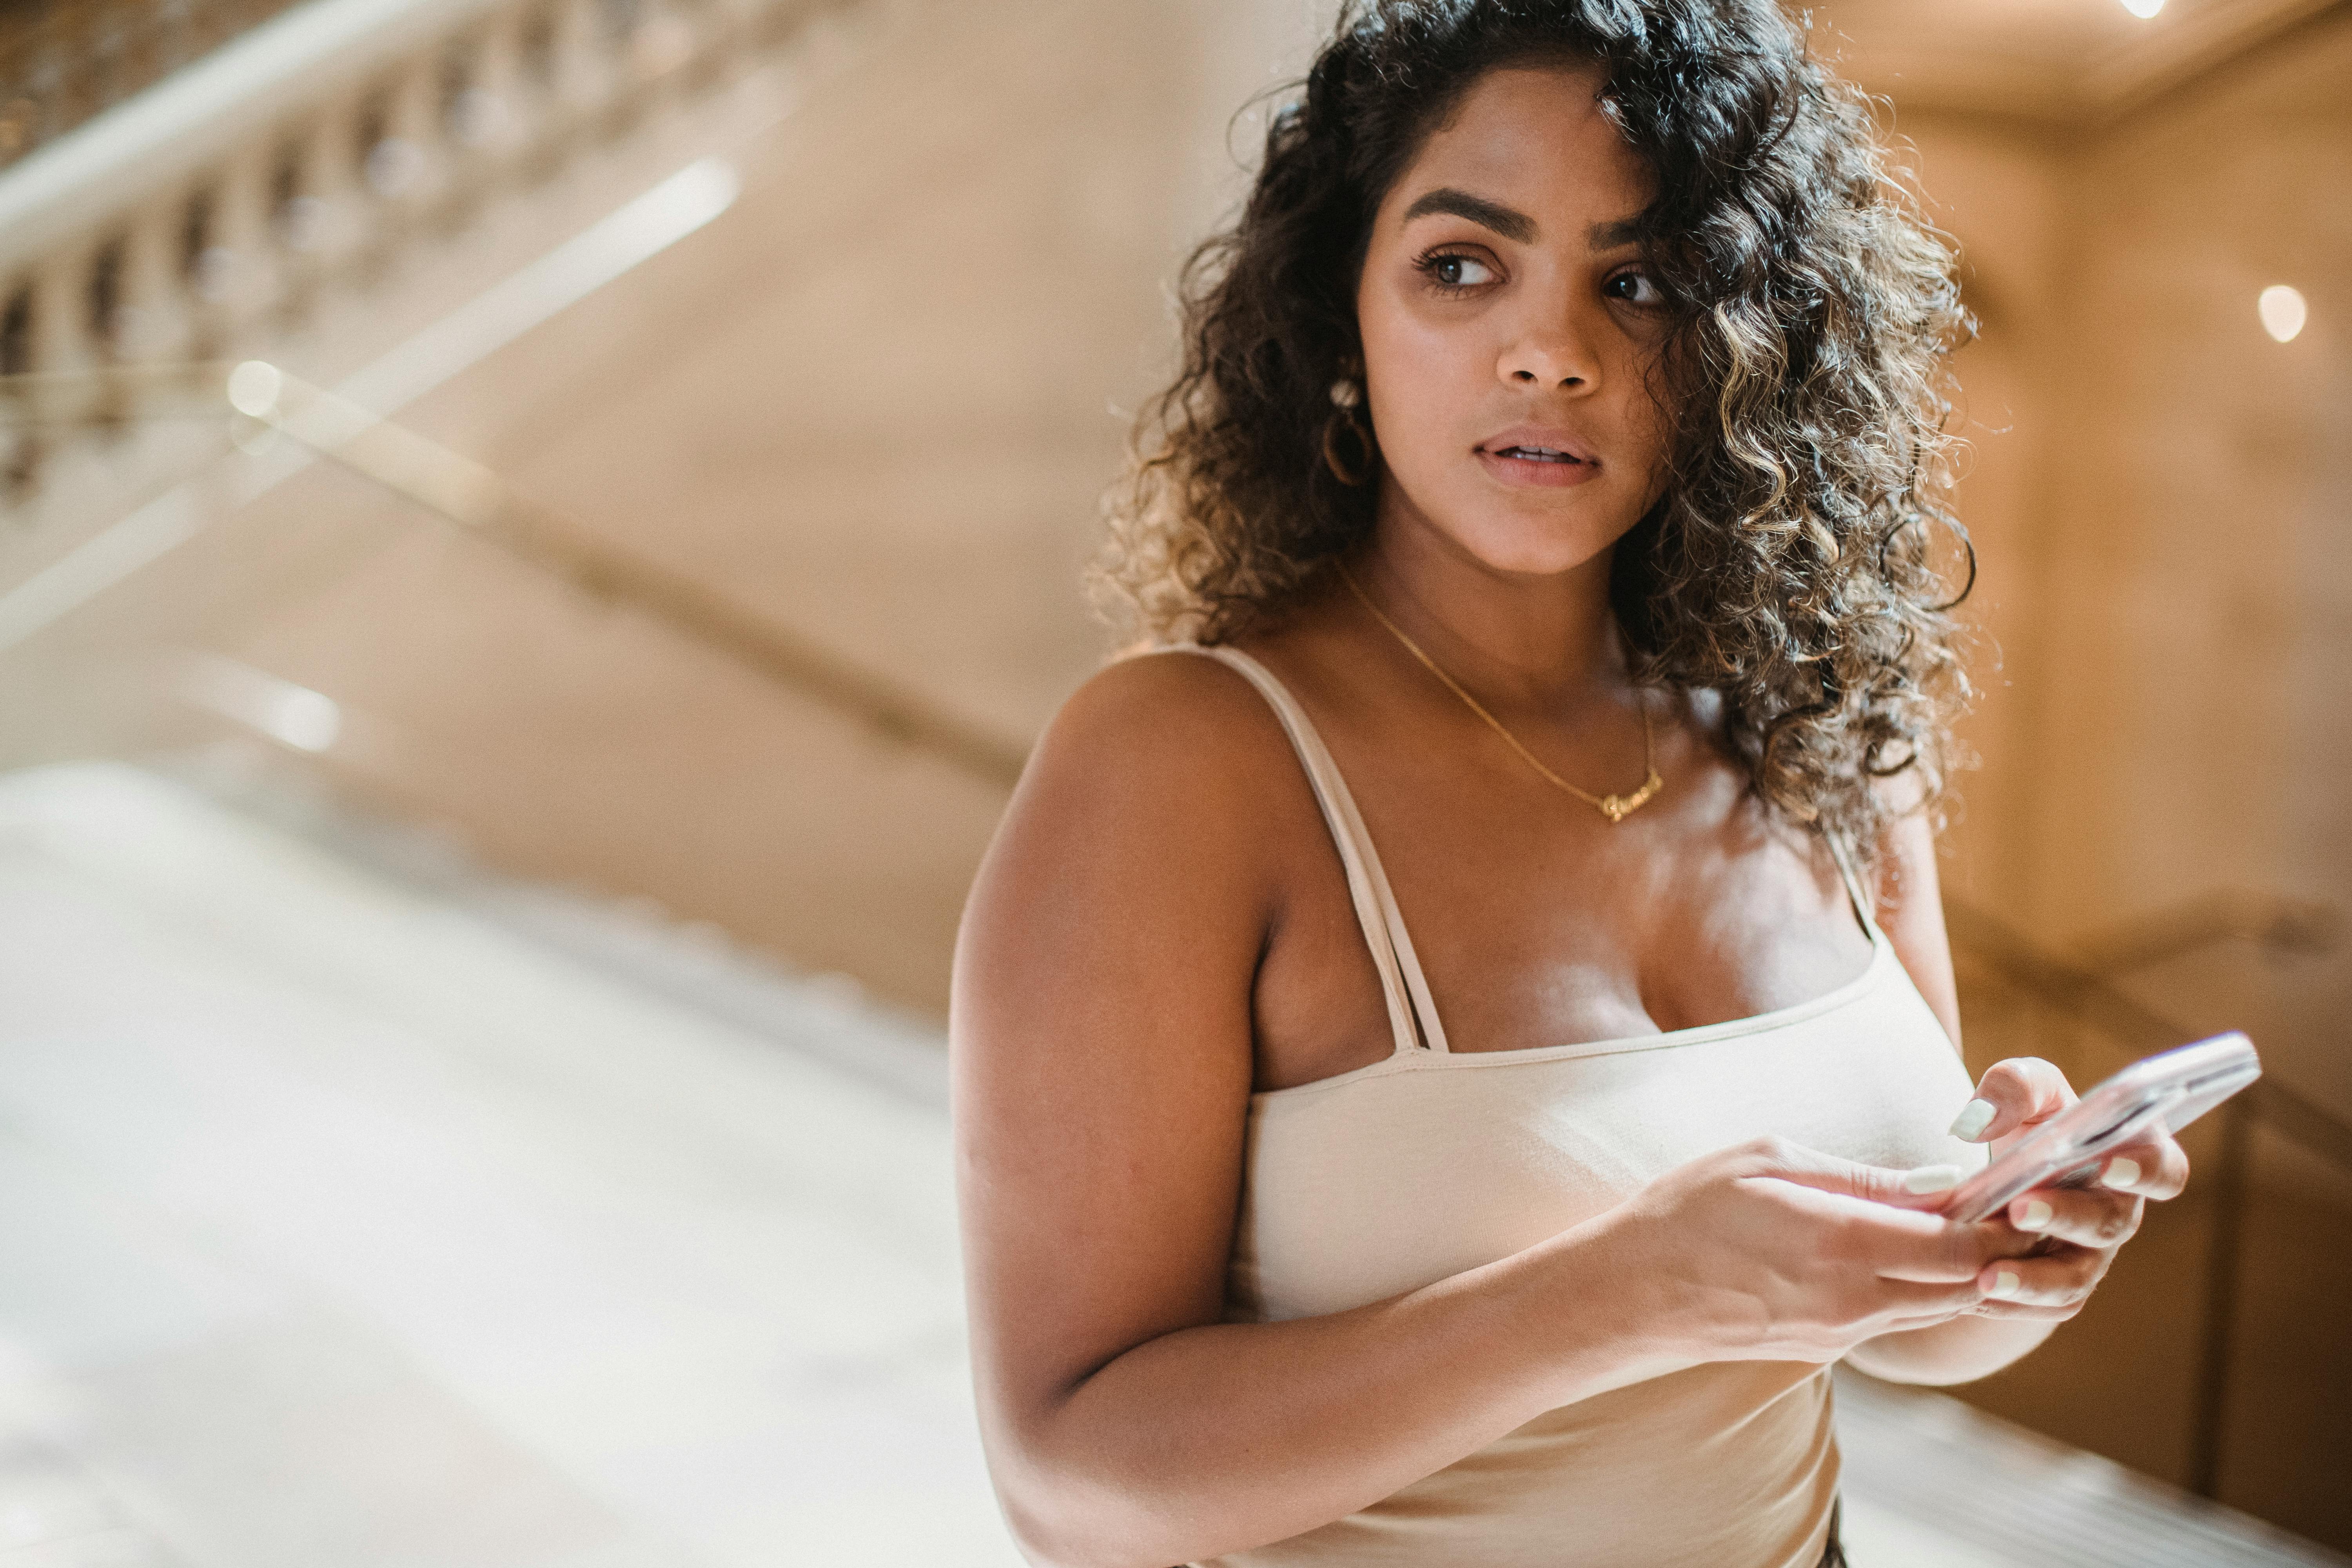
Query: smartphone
x=2154, y=1097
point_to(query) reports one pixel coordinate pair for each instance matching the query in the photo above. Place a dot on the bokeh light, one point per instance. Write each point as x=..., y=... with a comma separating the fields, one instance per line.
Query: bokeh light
x=2283, y=311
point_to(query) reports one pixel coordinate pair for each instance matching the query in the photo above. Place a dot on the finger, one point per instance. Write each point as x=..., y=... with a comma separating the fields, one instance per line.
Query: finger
x=2154, y=1170
x=1919, y=1188
x=2085, y=1216
x=2018, y=1311
x=1911, y=1304
x=2012, y=1094
x=1883, y=1210
x=2060, y=1280
x=1952, y=1252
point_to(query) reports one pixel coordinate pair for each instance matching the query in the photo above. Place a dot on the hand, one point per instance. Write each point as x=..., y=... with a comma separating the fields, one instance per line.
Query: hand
x=1770, y=1251
x=2077, y=1229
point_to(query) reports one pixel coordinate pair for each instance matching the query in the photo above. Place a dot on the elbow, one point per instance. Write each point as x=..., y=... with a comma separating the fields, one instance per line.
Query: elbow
x=1046, y=1541
x=1049, y=1537
x=1062, y=1517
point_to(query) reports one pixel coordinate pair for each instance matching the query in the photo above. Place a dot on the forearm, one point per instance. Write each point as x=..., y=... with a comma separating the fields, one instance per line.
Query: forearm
x=1224, y=1436
x=1960, y=1350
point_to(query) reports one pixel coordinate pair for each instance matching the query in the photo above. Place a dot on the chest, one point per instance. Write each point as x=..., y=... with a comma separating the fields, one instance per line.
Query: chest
x=1539, y=923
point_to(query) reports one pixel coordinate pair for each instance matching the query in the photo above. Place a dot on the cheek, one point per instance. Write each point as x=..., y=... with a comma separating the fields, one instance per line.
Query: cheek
x=1400, y=350
x=1425, y=381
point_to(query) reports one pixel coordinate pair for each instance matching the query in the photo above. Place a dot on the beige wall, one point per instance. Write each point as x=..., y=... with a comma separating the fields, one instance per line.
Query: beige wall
x=2207, y=512
x=2161, y=498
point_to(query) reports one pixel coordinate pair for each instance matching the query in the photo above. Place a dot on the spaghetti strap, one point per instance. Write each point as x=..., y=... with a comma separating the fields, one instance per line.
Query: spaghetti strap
x=1412, y=1012
x=1863, y=902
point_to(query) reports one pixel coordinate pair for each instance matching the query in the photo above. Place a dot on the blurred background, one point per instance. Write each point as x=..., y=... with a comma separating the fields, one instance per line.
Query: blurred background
x=486, y=794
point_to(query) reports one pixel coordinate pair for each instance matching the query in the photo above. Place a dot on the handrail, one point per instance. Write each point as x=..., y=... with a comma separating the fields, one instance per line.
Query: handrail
x=469, y=494
x=2280, y=924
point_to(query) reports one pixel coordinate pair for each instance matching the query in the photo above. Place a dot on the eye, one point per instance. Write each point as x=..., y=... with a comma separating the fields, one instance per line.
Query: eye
x=1454, y=272
x=1634, y=288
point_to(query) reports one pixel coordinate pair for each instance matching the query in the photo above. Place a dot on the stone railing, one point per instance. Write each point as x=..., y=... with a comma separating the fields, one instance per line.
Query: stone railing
x=334, y=144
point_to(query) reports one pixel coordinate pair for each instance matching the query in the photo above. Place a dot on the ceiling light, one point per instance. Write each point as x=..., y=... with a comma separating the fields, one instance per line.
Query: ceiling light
x=2143, y=10
x=2281, y=310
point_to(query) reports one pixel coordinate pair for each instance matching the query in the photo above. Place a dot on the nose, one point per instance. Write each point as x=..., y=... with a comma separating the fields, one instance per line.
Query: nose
x=1554, y=355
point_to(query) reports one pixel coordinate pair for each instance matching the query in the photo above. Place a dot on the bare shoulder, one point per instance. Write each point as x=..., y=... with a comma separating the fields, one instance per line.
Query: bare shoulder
x=1163, y=711
x=1175, y=749
x=1149, y=829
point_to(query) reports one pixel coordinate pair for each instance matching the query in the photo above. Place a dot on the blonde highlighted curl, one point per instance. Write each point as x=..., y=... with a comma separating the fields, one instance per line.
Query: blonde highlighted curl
x=1792, y=565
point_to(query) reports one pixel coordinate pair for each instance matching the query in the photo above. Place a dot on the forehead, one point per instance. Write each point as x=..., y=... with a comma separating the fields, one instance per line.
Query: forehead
x=1533, y=138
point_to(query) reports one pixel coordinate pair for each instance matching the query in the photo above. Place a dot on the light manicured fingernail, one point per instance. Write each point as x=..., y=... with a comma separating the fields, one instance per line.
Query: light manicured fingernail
x=2036, y=1217
x=2004, y=1285
x=1931, y=1179
x=2122, y=1172
x=1974, y=1118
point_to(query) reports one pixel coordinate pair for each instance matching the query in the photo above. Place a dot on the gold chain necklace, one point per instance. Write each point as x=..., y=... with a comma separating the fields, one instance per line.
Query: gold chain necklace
x=1616, y=807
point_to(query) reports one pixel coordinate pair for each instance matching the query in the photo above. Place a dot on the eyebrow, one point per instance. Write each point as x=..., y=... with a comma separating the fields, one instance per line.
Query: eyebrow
x=1511, y=224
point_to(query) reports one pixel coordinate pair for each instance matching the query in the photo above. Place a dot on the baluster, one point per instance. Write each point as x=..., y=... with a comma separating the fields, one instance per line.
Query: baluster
x=536, y=29
x=486, y=116
x=62, y=342
x=585, y=69
x=233, y=260
x=104, y=322
x=152, y=324
x=405, y=168
x=21, y=446
x=322, y=223
x=58, y=448
x=667, y=37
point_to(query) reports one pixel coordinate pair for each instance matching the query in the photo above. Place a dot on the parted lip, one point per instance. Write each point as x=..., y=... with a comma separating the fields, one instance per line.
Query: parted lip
x=1549, y=437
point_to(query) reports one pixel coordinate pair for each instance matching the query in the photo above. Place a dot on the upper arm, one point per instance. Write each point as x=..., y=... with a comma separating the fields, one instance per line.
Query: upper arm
x=1100, y=1030
x=1910, y=910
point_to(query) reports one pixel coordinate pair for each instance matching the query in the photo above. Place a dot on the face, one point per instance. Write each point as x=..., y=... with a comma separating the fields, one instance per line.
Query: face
x=1508, y=327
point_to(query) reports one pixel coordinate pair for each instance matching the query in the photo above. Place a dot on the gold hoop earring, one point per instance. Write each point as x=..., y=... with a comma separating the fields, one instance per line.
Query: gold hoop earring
x=1344, y=417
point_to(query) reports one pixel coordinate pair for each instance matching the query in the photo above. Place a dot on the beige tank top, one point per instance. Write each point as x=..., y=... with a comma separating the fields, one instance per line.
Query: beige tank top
x=1394, y=1175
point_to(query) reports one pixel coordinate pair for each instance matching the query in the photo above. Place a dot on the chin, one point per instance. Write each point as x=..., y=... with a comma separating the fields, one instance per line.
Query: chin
x=1517, y=534
x=1534, y=547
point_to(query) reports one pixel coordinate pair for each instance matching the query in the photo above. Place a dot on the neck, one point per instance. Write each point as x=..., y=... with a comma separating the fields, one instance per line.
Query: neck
x=1545, y=638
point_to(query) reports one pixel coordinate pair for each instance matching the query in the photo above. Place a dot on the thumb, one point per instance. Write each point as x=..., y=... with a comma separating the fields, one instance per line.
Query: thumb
x=1920, y=1188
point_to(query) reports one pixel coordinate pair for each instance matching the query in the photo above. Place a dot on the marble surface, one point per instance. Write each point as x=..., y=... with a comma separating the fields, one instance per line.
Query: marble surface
x=346, y=1225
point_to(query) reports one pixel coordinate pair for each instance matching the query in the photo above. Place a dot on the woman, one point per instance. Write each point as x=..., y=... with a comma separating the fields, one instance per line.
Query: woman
x=1450, y=1047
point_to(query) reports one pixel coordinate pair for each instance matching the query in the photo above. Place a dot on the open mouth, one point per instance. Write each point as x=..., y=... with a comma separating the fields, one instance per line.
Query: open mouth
x=1544, y=458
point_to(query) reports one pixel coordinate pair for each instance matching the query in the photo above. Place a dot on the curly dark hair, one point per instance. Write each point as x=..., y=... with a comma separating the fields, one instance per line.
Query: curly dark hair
x=1791, y=564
